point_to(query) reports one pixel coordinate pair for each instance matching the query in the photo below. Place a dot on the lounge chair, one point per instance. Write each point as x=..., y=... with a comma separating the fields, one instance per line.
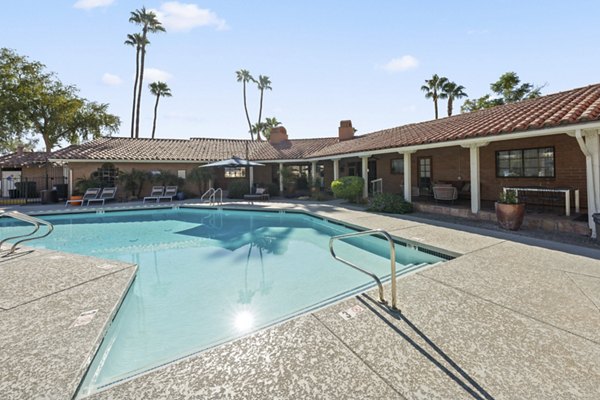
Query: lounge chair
x=170, y=192
x=261, y=194
x=89, y=194
x=445, y=192
x=155, y=194
x=108, y=193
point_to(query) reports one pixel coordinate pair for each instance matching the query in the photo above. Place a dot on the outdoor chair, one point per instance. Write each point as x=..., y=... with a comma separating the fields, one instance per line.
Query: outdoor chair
x=261, y=194
x=445, y=192
x=108, y=194
x=155, y=194
x=89, y=194
x=170, y=192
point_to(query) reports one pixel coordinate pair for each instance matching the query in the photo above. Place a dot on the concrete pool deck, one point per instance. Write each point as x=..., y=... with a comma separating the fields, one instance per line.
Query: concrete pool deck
x=503, y=320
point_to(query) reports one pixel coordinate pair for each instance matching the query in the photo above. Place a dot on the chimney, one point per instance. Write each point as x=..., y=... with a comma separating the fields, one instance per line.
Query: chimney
x=345, y=131
x=20, y=150
x=278, y=135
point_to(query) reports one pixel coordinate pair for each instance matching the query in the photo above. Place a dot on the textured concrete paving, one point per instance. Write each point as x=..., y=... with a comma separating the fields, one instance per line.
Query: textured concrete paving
x=503, y=321
x=43, y=351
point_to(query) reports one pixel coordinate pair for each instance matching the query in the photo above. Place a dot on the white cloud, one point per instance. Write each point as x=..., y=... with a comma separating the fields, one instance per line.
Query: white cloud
x=88, y=4
x=154, y=75
x=176, y=16
x=111, y=79
x=400, y=64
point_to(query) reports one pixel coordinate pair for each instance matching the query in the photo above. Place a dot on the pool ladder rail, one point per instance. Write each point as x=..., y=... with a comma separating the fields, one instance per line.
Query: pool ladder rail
x=36, y=222
x=212, y=196
x=372, y=232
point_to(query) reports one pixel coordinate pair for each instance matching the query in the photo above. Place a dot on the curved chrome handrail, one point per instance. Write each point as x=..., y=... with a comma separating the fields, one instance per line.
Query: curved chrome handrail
x=213, y=196
x=392, y=261
x=27, y=237
x=208, y=193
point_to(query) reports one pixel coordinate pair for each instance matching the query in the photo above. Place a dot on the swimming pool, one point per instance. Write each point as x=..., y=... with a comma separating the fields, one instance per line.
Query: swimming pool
x=210, y=276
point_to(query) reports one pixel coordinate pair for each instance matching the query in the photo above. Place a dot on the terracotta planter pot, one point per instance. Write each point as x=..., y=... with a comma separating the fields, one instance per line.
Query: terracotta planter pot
x=76, y=203
x=510, y=216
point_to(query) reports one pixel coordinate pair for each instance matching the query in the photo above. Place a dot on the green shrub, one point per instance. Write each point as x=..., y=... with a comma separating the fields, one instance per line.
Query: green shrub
x=348, y=187
x=390, y=203
x=237, y=189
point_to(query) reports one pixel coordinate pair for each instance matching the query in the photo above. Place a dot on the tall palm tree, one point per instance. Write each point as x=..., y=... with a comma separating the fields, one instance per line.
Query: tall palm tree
x=452, y=92
x=159, y=89
x=263, y=83
x=433, y=90
x=150, y=23
x=243, y=75
x=135, y=40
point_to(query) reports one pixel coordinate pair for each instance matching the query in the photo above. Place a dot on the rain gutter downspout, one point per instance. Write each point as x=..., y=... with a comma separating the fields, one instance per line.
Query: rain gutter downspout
x=591, y=193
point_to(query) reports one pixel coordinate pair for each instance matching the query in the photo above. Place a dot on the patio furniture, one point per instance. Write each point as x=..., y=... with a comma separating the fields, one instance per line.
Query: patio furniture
x=89, y=194
x=261, y=194
x=445, y=192
x=108, y=193
x=155, y=193
x=170, y=192
x=566, y=191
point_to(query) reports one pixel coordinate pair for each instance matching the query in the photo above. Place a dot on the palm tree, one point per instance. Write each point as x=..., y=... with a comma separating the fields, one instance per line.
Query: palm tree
x=452, y=92
x=135, y=40
x=159, y=89
x=270, y=123
x=433, y=90
x=150, y=23
x=243, y=75
x=264, y=83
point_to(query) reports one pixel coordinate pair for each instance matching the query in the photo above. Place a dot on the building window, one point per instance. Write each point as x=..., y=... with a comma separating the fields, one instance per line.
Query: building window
x=107, y=174
x=525, y=163
x=398, y=166
x=235, y=172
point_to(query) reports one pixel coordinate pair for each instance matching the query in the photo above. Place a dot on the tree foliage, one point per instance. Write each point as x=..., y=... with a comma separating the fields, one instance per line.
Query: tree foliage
x=433, y=89
x=263, y=83
x=507, y=89
x=159, y=89
x=35, y=102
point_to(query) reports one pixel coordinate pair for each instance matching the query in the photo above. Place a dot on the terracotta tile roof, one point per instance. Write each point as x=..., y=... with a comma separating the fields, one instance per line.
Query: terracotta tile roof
x=26, y=158
x=559, y=109
x=564, y=108
x=192, y=150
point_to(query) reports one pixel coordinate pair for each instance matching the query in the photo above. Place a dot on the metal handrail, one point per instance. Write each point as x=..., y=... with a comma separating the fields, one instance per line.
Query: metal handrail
x=208, y=193
x=374, y=183
x=213, y=196
x=372, y=232
x=27, y=237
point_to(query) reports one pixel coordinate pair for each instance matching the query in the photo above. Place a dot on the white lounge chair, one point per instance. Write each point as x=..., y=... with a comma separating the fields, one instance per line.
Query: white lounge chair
x=108, y=193
x=89, y=194
x=261, y=194
x=170, y=192
x=155, y=194
x=445, y=192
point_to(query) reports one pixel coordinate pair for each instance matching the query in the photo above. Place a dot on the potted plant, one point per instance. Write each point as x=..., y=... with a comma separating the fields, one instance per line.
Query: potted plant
x=509, y=212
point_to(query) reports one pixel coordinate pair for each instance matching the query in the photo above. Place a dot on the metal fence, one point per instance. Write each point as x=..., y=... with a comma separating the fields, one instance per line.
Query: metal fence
x=31, y=190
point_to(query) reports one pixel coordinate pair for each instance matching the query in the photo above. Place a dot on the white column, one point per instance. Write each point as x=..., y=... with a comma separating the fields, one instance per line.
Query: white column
x=365, y=175
x=407, y=175
x=592, y=140
x=251, y=178
x=70, y=182
x=475, y=181
x=336, y=169
x=280, y=178
x=313, y=170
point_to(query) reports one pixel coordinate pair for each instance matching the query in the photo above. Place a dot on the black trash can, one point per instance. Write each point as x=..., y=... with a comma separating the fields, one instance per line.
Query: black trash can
x=44, y=196
x=54, y=196
x=597, y=222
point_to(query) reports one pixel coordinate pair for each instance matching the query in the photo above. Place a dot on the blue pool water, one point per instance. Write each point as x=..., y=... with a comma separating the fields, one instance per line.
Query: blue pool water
x=209, y=276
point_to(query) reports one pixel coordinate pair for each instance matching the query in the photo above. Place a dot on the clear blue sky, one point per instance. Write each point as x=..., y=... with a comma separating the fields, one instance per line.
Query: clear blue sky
x=328, y=60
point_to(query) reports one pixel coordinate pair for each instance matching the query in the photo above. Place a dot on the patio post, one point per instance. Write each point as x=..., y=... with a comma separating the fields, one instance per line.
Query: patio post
x=407, y=175
x=590, y=147
x=280, y=178
x=313, y=170
x=365, y=176
x=251, y=178
x=336, y=169
x=475, y=181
